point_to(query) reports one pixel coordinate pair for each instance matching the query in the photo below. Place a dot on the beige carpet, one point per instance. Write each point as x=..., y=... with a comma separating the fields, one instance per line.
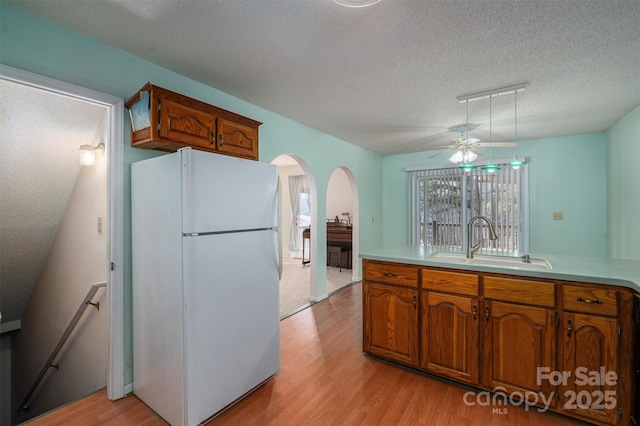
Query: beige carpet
x=294, y=285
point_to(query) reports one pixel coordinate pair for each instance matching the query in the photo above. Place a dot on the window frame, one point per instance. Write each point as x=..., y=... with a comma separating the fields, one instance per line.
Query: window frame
x=416, y=237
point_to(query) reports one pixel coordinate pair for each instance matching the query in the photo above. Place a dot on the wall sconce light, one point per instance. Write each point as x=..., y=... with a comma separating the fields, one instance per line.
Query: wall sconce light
x=88, y=154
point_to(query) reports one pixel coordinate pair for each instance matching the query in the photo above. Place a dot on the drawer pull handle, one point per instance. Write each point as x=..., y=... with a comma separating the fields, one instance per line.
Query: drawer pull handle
x=389, y=274
x=597, y=301
x=414, y=302
x=569, y=327
x=487, y=313
x=475, y=312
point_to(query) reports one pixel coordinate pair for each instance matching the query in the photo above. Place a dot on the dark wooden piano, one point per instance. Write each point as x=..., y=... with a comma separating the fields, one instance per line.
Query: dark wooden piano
x=339, y=241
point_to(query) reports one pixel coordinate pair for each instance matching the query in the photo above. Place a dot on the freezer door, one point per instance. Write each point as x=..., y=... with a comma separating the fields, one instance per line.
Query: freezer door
x=232, y=327
x=222, y=193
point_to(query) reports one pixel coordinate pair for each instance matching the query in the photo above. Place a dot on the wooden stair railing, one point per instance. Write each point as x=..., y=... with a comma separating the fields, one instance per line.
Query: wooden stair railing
x=74, y=321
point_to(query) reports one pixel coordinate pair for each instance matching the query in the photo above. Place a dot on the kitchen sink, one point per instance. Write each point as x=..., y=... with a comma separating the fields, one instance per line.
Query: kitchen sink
x=494, y=261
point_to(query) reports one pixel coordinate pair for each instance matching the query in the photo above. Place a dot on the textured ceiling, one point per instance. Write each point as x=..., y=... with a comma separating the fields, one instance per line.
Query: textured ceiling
x=40, y=134
x=386, y=77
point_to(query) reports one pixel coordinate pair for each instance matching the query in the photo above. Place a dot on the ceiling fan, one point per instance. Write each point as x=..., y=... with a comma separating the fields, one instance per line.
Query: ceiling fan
x=464, y=147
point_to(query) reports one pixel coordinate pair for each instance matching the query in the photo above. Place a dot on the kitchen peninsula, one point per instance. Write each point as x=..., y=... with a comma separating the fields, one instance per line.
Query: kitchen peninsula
x=562, y=339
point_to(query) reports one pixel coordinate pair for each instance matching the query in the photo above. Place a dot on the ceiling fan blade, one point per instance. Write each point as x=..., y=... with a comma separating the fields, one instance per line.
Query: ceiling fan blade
x=476, y=152
x=438, y=153
x=502, y=144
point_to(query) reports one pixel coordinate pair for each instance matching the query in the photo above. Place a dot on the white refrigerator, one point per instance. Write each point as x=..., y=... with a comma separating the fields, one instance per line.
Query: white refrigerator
x=205, y=281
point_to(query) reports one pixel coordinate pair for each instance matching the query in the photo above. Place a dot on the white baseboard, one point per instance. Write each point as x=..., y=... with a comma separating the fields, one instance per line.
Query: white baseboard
x=128, y=389
x=315, y=299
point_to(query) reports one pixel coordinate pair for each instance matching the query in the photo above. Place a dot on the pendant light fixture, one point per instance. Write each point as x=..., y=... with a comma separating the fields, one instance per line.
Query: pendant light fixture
x=516, y=163
x=466, y=165
x=490, y=167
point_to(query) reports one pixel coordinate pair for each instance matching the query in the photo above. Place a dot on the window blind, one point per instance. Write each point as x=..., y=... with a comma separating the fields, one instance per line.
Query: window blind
x=445, y=199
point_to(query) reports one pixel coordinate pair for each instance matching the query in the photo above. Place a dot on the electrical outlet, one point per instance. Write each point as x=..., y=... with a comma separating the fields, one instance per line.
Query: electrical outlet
x=558, y=216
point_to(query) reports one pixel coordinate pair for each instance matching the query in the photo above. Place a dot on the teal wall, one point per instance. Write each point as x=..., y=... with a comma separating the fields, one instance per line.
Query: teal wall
x=30, y=43
x=623, y=187
x=566, y=174
x=561, y=177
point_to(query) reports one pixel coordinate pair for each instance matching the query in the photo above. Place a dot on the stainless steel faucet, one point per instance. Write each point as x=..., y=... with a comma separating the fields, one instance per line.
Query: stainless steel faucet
x=474, y=248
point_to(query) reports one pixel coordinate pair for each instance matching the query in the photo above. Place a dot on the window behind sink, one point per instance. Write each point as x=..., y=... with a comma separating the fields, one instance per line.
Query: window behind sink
x=444, y=199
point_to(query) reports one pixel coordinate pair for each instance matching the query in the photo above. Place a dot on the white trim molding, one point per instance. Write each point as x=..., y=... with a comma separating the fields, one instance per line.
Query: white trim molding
x=115, y=202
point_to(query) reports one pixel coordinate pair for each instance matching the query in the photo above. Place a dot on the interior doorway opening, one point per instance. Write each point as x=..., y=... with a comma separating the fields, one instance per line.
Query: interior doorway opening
x=104, y=182
x=298, y=209
x=342, y=230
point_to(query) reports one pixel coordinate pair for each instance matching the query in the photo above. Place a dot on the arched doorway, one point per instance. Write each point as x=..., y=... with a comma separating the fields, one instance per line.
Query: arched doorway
x=342, y=230
x=298, y=207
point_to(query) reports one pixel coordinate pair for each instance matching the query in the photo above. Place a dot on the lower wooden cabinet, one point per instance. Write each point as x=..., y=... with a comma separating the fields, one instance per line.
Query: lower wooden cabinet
x=449, y=340
x=391, y=322
x=589, y=352
x=517, y=342
x=564, y=346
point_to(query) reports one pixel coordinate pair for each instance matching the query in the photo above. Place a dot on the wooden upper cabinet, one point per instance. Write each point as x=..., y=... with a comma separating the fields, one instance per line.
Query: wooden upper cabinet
x=166, y=121
x=237, y=139
x=185, y=125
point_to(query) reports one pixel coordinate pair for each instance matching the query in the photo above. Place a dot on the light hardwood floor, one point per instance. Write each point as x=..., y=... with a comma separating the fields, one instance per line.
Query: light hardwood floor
x=325, y=380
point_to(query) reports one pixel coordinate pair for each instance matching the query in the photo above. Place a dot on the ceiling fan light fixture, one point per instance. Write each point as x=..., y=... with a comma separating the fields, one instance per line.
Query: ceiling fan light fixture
x=462, y=157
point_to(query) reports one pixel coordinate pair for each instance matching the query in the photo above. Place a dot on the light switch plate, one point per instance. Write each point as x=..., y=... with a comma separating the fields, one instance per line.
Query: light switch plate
x=558, y=216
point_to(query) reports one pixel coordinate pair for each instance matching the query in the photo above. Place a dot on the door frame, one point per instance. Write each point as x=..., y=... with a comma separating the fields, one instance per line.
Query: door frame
x=115, y=206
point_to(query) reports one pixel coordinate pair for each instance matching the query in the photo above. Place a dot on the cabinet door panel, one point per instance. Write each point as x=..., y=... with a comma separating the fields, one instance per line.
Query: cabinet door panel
x=590, y=350
x=237, y=139
x=391, y=323
x=517, y=341
x=450, y=336
x=187, y=125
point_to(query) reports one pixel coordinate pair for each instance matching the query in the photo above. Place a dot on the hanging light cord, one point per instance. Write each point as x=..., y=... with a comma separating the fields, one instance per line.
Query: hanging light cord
x=467, y=126
x=490, y=134
x=515, y=118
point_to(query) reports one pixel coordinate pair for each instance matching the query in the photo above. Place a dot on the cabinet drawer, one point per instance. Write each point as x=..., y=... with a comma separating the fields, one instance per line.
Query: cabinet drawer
x=520, y=291
x=391, y=273
x=589, y=300
x=450, y=282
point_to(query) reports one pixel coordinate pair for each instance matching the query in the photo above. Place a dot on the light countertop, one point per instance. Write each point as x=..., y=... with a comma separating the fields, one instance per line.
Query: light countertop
x=625, y=273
